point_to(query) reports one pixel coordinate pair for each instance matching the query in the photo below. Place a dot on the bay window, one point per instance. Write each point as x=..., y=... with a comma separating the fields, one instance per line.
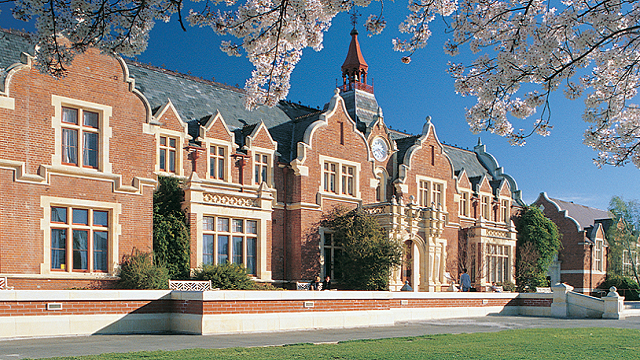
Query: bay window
x=230, y=240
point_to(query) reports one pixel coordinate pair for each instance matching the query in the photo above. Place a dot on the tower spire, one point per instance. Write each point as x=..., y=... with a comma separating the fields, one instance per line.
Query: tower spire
x=354, y=68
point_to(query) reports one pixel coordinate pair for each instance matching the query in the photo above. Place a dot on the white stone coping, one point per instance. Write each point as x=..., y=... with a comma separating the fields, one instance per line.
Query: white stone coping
x=79, y=295
x=147, y=295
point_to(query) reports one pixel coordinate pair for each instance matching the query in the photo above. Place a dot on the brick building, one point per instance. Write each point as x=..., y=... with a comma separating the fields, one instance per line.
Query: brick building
x=582, y=261
x=80, y=157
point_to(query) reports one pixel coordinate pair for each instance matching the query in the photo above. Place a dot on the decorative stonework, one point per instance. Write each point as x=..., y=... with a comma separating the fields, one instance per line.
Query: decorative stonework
x=230, y=200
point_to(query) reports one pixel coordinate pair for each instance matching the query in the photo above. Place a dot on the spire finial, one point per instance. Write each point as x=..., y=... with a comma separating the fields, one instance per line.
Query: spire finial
x=354, y=16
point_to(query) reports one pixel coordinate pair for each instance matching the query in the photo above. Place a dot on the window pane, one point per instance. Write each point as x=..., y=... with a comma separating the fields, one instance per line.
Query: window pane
x=163, y=141
x=257, y=174
x=223, y=249
x=81, y=216
x=221, y=169
x=58, y=248
x=70, y=116
x=237, y=250
x=91, y=119
x=221, y=151
x=70, y=146
x=80, y=250
x=101, y=218
x=90, y=148
x=252, y=227
x=264, y=159
x=237, y=225
x=59, y=214
x=207, y=223
x=207, y=249
x=163, y=159
x=251, y=255
x=223, y=224
x=172, y=142
x=172, y=161
x=264, y=174
x=100, y=241
x=212, y=167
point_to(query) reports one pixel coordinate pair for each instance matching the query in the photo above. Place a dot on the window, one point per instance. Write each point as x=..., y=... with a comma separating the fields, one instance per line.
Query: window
x=230, y=240
x=329, y=177
x=423, y=193
x=464, y=204
x=628, y=262
x=339, y=177
x=168, y=146
x=348, y=173
x=79, y=239
x=437, y=194
x=261, y=167
x=331, y=251
x=598, y=254
x=80, y=137
x=430, y=193
x=216, y=162
x=498, y=263
x=486, y=208
x=505, y=211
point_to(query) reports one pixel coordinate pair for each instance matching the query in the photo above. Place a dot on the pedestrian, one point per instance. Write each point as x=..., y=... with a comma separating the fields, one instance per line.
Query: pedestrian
x=465, y=281
x=326, y=284
x=315, y=284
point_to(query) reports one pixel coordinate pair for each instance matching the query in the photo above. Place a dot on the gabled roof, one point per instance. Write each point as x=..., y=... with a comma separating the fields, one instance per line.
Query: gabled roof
x=584, y=215
x=467, y=160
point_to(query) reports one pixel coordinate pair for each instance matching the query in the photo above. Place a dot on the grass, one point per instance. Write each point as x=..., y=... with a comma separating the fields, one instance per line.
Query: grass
x=577, y=343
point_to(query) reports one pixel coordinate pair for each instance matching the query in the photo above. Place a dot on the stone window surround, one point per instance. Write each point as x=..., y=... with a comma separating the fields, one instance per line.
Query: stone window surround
x=180, y=139
x=230, y=234
x=105, y=132
x=431, y=181
x=227, y=159
x=114, y=209
x=339, y=164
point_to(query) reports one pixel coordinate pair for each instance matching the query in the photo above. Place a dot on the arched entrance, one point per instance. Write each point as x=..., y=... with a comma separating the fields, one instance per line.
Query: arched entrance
x=407, y=264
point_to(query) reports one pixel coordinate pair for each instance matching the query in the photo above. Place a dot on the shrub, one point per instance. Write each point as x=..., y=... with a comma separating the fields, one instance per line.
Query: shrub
x=137, y=271
x=225, y=277
x=626, y=286
x=507, y=286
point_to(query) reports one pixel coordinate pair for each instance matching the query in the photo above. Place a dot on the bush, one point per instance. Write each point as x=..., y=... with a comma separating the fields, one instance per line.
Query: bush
x=507, y=286
x=137, y=271
x=226, y=277
x=626, y=286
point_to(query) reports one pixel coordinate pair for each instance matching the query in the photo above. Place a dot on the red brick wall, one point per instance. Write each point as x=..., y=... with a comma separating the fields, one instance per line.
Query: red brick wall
x=27, y=135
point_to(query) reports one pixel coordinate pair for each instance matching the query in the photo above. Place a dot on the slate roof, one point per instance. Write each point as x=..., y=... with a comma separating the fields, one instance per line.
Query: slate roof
x=361, y=106
x=584, y=215
x=12, y=43
x=467, y=160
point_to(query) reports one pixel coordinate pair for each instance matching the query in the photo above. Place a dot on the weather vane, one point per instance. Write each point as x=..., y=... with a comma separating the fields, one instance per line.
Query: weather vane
x=354, y=15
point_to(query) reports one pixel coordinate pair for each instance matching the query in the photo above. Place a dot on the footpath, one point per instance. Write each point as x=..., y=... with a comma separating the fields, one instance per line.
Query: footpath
x=99, y=344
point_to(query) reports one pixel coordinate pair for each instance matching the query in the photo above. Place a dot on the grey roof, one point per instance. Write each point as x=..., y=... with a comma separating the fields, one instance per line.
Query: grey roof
x=195, y=98
x=362, y=106
x=584, y=215
x=403, y=144
x=12, y=43
x=467, y=160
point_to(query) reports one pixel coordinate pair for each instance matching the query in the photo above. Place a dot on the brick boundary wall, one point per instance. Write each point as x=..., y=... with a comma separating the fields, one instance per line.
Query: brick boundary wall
x=83, y=312
x=200, y=307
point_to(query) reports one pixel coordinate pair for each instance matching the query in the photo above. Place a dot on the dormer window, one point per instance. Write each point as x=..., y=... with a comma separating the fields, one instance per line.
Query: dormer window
x=261, y=169
x=217, y=162
x=168, y=147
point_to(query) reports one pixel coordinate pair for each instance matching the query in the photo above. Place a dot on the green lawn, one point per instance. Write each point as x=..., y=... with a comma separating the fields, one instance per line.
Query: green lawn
x=579, y=343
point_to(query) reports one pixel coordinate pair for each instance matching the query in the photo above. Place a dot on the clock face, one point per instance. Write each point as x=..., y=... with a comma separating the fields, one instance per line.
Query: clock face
x=379, y=149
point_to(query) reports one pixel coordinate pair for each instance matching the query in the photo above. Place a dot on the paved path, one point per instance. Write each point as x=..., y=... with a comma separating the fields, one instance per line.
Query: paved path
x=98, y=344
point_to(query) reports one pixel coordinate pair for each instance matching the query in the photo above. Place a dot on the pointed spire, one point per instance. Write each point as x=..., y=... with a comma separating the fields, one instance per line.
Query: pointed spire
x=355, y=69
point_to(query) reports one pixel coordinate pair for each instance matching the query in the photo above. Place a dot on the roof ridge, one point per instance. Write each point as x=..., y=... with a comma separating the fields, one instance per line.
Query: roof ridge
x=572, y=203
x=184, y=76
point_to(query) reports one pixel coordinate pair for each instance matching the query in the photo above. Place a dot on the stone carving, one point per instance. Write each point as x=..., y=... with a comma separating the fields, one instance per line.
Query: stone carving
x=231, y=200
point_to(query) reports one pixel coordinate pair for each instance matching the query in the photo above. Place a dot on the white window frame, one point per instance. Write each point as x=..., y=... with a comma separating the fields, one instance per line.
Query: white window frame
x=230, y=234
x=180, y=141
x=502, y=257
x=104, y=133
x=465, y=203
x=263, y=164
x=340, y=164
x=430, y=192
x=226, y=158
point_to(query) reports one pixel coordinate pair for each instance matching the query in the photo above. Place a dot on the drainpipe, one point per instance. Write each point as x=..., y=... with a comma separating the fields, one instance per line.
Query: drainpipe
x=285, y=220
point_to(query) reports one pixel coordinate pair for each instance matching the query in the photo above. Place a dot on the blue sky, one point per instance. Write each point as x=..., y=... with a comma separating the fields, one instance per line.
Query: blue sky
x=558, y=164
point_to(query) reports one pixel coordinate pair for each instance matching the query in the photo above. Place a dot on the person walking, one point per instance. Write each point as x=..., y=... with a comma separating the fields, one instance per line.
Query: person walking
x=465, y=281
